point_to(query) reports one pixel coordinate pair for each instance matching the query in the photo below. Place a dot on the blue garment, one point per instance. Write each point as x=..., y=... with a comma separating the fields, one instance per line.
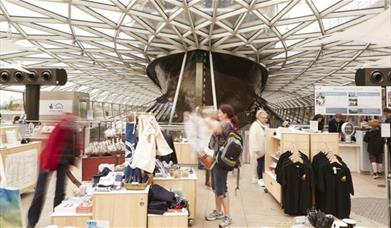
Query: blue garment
x=131, y=140
x=131, y=175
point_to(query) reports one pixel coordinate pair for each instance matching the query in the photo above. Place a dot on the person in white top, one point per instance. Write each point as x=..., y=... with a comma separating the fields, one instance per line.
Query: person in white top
x=257, y=145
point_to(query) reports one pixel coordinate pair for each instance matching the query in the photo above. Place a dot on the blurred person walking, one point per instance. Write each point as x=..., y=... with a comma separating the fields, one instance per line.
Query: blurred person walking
x=60, y=151
x=257, y=136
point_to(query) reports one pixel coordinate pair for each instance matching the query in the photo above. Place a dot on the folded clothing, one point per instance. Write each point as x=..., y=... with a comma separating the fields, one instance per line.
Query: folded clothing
x=157, y=207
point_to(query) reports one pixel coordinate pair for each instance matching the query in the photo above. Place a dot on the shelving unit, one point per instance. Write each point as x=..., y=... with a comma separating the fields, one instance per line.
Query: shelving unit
x=285, y=142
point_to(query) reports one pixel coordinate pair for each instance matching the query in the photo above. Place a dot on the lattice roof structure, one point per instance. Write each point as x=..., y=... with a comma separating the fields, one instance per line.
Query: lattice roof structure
x=105, y=45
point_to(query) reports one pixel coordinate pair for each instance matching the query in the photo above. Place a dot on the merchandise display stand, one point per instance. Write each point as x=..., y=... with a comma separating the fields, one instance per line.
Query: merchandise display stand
x=124, y=208
x=322, y=142
x=186, y=185
x=287, y=140
x=185, y=154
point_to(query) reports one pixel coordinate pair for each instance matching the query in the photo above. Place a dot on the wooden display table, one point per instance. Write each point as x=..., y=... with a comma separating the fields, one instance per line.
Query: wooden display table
x=122, y=208
x=21, y=165
x=185, y=154
x=74, y=220
x=187, y=185
x=168, y=219
x=350, y=154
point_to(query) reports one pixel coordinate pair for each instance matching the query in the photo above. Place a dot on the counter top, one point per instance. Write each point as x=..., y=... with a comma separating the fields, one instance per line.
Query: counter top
x=349, y=145
x=19, y=145
x=192, y=176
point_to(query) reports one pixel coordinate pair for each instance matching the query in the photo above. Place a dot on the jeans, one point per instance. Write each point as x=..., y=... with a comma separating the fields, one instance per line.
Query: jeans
x=260, y=167
x=219, y=181
x=40, y=191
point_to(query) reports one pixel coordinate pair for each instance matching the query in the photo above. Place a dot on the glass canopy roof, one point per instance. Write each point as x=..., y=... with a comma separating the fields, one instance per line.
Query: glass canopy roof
x=105, y=45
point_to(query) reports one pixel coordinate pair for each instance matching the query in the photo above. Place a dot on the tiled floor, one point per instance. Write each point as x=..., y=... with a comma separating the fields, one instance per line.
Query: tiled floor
x=250, y=206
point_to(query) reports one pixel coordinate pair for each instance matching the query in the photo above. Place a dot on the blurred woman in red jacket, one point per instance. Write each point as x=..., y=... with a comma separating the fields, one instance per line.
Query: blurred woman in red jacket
x=60, y=151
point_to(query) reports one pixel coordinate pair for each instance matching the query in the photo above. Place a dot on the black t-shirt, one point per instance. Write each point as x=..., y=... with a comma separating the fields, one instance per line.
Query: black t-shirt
x=333, y=186
x=297, y=181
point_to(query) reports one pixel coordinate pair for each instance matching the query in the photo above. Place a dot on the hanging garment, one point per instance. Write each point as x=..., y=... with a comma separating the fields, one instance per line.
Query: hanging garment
x=151, y=143
x=297, y=182
x=131, y=141
x=333, y=186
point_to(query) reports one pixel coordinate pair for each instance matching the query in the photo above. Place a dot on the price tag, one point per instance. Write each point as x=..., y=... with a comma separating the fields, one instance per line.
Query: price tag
x=385, y=130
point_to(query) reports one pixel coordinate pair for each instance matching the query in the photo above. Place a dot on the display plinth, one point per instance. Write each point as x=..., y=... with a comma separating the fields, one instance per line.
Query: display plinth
x=168, y=219
x=74, y=220
x=124, y=208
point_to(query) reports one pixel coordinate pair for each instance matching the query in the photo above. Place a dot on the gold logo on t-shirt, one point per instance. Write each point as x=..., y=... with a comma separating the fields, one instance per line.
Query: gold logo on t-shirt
x=343, y=178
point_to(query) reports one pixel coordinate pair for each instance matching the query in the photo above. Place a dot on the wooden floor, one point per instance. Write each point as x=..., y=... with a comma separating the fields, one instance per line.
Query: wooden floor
x=250, y=206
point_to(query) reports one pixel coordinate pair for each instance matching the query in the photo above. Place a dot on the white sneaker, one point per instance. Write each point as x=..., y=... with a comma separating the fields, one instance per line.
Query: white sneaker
x=261, y=183
x=254, y=180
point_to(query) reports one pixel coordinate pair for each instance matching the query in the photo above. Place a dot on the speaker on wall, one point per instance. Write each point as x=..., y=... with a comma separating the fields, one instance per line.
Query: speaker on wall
x=373, y=77
x=37, y=76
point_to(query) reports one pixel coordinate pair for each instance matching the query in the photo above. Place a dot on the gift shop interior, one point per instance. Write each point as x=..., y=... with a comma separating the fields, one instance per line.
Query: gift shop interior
x=195, y=113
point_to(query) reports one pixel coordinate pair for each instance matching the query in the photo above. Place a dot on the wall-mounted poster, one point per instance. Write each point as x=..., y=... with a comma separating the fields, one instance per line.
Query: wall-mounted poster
x=348, y=100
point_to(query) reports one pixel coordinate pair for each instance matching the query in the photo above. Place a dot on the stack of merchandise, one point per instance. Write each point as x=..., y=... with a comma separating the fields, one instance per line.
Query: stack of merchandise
x=79, y=205
x=108, y=147
x=107, y=180
x=161, y=200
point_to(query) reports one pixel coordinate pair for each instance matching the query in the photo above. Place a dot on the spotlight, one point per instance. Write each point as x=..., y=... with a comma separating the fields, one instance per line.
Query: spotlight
x=32, y=77
x=5, y=76
x=19, y=76
x=46, y=76
x=377, y=76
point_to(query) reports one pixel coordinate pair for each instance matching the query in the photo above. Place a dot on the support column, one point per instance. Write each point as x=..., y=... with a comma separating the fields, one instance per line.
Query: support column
x=32, y=102
x=178, y=88
x=199, y=76
x=212, y=78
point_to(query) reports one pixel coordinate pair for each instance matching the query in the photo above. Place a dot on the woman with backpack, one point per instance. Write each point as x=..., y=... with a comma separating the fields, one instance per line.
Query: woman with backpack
x=227, y=123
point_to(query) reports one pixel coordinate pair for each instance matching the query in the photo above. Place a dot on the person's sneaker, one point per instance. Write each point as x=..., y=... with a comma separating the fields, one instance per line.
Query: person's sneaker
x=261, y=183
x=226, y=222
x=214, y=216
x=375, y=176
x=379, y=174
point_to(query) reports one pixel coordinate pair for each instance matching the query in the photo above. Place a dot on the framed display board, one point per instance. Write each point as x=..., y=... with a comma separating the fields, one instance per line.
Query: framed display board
x=348, y=100
x=388, y=96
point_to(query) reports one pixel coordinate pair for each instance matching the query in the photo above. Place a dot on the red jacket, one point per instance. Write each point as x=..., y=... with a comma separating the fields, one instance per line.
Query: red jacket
x=54, y=148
